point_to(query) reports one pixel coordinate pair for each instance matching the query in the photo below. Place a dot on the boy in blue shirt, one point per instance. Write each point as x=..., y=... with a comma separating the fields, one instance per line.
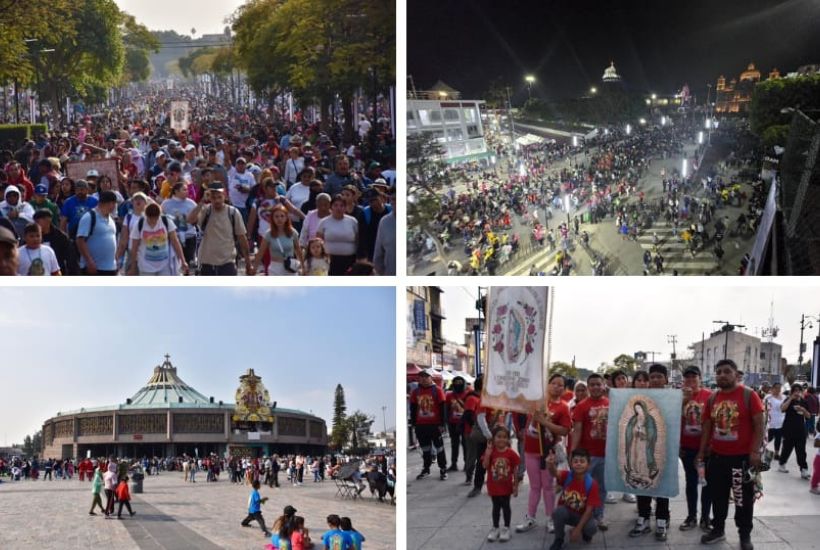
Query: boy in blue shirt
x=335, y=538
x=356, y=538
x=255, y=503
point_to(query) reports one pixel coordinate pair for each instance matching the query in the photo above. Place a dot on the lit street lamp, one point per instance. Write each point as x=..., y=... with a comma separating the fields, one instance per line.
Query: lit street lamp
x=530, y=80
x=654, y=97
x=700, y=137
x=628, y=129
x=642, y=121
x=593, y=90
x=685, y=168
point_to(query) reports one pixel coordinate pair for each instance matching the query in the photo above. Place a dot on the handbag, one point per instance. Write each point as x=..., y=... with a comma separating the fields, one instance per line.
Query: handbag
x=291, y=263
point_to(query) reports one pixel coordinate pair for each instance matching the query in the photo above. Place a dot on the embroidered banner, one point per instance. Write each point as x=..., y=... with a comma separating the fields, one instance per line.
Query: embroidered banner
x=180, y=115
x=643, y=441
x=516, y=348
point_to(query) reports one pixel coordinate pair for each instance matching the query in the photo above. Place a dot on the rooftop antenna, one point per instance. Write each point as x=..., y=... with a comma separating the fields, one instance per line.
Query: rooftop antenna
x=770, y=333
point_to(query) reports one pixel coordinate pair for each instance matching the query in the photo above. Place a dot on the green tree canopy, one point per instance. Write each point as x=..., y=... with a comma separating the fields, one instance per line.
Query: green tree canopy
x=358, y=425
x=564, y=368
x=340, y=432
x=21, y=21
x=139, y=42
x=770, y=97
x=626, y=363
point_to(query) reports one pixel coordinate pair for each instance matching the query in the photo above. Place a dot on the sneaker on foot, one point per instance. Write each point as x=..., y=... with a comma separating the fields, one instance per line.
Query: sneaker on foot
x=641, y=528
x=528, y=524
x=688, y=523
x=705, y=524
x=504, y=535
x=804, y=473
x=550, y=525
x=493, y=536
x=746, y=543
x=557, y=544
x=712, y=537
x=628, y=497
x=610, y=498
x=782, y=469
x=442, y=475
x=603, y=525
x=660, y=530
x=91, y=514
x=474, y=493
x=815, y=490
x=423, y=474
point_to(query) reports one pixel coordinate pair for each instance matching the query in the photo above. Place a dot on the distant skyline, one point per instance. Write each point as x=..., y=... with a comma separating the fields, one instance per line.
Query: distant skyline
x=67, y=348
x=206, y=16
x=596, y=323
x=656, y=46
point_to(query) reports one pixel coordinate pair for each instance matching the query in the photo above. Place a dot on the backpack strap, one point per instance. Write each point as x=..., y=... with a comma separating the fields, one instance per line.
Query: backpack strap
x=587, y=483
x=567, y=481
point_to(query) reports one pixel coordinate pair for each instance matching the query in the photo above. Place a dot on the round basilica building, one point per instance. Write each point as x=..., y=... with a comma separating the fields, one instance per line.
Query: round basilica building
x=167, y=418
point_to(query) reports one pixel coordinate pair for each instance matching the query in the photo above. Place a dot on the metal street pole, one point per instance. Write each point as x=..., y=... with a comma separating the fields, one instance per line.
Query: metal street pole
x=802, y=345
x=510, y=118
x=673, y=339
x=727, y=328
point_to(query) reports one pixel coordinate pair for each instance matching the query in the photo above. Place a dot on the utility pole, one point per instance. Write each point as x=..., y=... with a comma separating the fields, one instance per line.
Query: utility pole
x=673, y=339
x=702, y=352
x=384, y=418
x=803, y=326
x=477, y=334
x=727, y=327
x=510, y=117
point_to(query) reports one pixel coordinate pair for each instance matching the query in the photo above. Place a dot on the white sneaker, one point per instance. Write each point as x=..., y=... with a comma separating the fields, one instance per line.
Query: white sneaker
x=550, y=526
x=782, y=469
x=610, y=498
x=804, y=473
x=493, y=536
x=504, y=536
x=528, y=524
x=628, y=497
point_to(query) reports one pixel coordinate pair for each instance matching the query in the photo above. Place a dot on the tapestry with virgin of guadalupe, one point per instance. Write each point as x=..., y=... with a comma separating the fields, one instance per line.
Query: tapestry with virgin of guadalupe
x=517, y=349
x=643, y=441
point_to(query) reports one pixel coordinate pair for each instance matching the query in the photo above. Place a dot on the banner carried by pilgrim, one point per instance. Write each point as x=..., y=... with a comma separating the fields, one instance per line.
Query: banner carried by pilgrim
x=517, y=348
x=643, y=441
x=180, y=115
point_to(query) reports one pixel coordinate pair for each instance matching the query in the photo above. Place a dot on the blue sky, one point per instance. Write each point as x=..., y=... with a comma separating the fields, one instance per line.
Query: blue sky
x=66, y=348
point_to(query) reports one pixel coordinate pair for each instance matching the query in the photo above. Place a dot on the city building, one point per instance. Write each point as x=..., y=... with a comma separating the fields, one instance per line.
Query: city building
x=424, y=334
x=757, y=359
x=736, y=95
x=611, y=76
x=168, y=417
x=454, y=122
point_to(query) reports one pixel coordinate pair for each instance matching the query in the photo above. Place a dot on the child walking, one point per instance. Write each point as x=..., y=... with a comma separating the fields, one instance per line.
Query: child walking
x=501, y=463
x=317, y=261
x=96, y=489
x=255, y=503
x=124, y=497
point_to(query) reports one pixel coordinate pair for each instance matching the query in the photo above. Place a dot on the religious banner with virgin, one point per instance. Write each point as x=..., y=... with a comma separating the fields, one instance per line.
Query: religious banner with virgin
x=643, y=441
x=180, y=115
x=517, y=348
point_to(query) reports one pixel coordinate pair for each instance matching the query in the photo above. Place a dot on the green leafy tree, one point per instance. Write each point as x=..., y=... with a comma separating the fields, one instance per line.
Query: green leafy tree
x=770, y=97
x=626, y=363
x=425, y=166
x=139, y=43
x=340, y=433
x=359, y=425
x=566, y=369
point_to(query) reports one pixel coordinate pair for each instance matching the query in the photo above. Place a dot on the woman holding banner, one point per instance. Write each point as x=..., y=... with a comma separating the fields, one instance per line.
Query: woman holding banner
x=543, y=432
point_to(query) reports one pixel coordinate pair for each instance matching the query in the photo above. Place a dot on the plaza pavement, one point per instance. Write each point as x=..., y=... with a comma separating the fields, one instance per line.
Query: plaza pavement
x=440, y=516
x=174, y=515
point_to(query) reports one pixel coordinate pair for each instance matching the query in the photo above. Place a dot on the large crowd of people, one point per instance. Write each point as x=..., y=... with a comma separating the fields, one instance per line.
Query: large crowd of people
x=547, y=194
x=561, y=448
x=241, y=190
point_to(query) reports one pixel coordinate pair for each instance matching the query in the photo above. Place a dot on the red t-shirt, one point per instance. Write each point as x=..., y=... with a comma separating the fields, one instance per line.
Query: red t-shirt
x=455, y=406
x=592, y=414
x=692, y=420
x=501, y=473
x=471, y=403
x=567, y=396
x=732, y=421
x=428, y=401
x=560, y=416
x=574, y=497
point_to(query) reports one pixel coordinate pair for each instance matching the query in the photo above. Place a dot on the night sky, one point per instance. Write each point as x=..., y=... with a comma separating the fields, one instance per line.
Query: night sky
x=657, y=46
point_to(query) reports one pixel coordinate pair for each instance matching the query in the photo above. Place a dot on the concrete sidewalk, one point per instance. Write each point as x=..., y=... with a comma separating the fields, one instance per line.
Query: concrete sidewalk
x=440, y=516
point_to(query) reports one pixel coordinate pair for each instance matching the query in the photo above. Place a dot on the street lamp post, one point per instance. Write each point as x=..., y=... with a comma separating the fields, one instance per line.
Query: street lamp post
x=510, y=118
x=530, y=80
x=727, y=328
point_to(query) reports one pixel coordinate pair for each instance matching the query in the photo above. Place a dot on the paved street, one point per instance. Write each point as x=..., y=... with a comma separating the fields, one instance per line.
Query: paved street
x=440, y=516
x=174, y=515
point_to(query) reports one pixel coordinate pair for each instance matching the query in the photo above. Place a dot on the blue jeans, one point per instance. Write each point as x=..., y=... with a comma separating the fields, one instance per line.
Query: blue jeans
x=687, y=456
x=596, y=470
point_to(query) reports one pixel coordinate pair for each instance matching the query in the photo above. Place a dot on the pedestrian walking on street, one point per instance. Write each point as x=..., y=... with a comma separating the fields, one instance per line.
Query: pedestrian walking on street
x=96, y=489
x=795, y=412
x=427, y=415
x=124, y=498
x=255, y=503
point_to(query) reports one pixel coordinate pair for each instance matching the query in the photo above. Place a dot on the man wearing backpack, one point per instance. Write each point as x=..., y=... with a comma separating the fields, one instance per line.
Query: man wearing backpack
x=732, y=438
x=75, y=208
x=221, y=225
x=97, y=237
x=155, y=245
x=580, y=495
x=428, y=416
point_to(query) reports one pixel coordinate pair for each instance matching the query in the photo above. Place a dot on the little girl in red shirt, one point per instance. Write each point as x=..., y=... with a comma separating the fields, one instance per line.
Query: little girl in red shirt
x=501, y=463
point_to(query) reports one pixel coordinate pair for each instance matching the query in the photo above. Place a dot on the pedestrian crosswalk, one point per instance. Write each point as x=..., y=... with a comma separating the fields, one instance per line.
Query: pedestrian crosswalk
x=675, y=252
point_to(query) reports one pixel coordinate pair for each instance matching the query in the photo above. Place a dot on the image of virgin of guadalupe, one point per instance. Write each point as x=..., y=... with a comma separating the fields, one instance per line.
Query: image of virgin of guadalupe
x=640, y=440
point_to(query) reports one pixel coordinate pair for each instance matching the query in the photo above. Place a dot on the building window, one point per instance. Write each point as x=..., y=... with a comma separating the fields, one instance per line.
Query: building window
x=455, y=134
x=411, y=120
x=472, y=131
x=429, y=117
x=451, y=115
x=469, y=115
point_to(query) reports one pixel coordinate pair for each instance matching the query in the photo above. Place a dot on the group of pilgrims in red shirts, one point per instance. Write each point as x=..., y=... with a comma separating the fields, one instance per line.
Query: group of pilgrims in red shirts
x=564, y=446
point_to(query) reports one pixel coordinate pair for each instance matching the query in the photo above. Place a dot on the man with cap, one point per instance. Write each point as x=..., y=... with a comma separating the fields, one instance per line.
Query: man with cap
x=160, y=162
x=75, y=208
x=733, y=436
x=455, y=410
x=97, y=237
x=658, y=378
x=20, y=213
x=384, y=253
x=58, y=241
x=240, y=182
x=221, y=226
x=93, y=179
x=8, y=252
x=41, y=201
x=695, y=397
x=427, y=416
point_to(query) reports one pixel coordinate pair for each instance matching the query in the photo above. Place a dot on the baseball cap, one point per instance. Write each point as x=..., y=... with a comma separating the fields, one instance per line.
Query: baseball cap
x=242, y=160
x=216, y=186
x=41, y=189
x=426, y=372
x=289, y=510
x=80, y=184
x=92, y=174
x=692, y=369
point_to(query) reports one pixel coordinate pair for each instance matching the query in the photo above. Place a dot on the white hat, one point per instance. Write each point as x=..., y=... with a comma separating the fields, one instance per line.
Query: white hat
x=92, y=174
